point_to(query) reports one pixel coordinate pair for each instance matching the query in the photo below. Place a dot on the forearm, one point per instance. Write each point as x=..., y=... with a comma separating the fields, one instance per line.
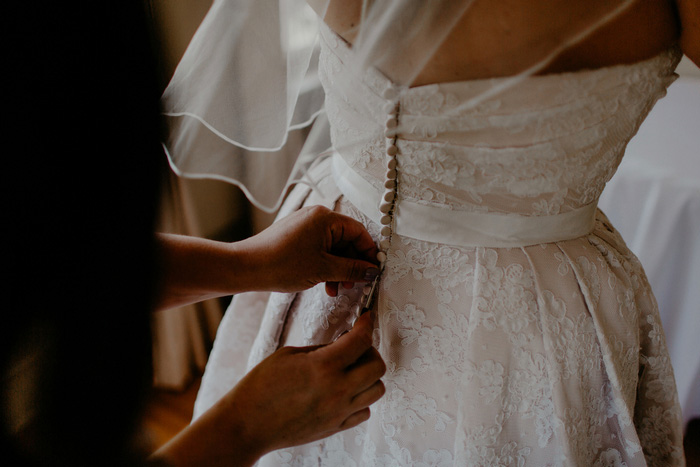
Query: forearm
x=216, y=438
x=310, y=246
x=196, y=269
x=295, y=396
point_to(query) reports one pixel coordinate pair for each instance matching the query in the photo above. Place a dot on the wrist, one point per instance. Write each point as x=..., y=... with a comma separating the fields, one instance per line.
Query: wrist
x=232, y=426
x=257, y=271
x=241, y=427
x=220, y=437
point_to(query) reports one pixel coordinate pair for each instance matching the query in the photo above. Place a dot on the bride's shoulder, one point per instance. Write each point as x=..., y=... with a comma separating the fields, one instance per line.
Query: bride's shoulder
x=640, y=31
x=493, y=39
x=505, y=38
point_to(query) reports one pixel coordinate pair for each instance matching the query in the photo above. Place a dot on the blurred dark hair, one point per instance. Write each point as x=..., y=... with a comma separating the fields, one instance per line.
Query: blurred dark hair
x=81, y=165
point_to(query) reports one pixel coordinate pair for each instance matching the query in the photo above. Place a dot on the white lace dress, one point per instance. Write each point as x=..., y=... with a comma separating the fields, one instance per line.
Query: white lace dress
x=517, y=327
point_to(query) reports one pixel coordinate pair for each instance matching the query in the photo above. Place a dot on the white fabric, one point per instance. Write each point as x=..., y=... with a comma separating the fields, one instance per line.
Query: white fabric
x=654, y=201
x=463, y=228
x=234, y=35
x=549, y=354
x=218, y=125
x=248, y=78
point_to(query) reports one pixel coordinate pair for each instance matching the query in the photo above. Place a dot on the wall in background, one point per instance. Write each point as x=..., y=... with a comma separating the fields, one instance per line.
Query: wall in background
x=215, y=209
x=688, y=68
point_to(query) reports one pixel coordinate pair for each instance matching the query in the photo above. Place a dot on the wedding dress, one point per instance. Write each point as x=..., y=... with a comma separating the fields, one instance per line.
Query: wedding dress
x=517, y=327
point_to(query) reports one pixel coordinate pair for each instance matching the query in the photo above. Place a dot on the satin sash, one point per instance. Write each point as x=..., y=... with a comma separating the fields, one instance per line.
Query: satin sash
x=462, y=228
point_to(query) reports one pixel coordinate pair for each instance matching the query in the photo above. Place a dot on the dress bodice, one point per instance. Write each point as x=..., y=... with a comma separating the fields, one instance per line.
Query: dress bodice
x=530, y=146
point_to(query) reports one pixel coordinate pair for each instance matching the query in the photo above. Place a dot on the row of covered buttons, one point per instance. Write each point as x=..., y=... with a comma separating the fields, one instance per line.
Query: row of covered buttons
x=387, y=204
x=388, y=201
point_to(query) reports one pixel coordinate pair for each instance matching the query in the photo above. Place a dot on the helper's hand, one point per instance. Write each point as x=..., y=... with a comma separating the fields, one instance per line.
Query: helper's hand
x=295, y=396
x=299, y=395
x=311, y=246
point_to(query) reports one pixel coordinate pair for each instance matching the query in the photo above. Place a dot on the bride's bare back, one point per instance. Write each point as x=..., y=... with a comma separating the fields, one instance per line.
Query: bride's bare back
x=503, y=38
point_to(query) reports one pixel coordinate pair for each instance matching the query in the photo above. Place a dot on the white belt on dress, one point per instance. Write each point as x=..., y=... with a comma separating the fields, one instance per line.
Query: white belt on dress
x=462, y=228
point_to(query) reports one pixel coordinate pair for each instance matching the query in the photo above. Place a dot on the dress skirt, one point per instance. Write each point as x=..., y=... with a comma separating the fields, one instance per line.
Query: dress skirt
x=547, y=354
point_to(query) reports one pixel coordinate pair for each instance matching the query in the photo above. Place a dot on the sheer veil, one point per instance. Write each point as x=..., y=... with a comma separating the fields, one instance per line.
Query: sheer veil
x=248, y=78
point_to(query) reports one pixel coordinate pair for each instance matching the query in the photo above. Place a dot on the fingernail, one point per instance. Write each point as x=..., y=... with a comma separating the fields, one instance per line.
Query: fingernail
x=371, y=274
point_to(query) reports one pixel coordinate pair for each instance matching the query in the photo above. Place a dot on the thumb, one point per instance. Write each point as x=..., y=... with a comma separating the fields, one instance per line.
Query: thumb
x=340, y=269
x=351, y=345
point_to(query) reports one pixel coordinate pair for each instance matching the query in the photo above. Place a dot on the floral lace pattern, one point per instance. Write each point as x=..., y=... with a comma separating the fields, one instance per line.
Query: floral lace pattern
x=543, y=355
x=547, y=145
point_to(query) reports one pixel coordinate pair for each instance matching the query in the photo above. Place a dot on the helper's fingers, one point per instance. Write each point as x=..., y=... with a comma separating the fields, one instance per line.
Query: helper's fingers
x=346, y=230
x=355, y=419
x=346, y=270
x=366, y=370
x=369, y=396
x=332, y=289
x=349, y=347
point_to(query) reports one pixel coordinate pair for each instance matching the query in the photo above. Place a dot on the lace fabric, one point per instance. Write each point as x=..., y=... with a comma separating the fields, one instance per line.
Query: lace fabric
x=546, y=354
x=230, y=114
x=512, y=153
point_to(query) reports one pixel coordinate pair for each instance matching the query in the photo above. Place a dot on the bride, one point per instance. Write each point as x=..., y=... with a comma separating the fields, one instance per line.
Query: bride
x=472, y=139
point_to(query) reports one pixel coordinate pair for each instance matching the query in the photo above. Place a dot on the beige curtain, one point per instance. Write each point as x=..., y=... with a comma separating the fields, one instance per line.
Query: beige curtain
x=182, y=337
x=211, y=209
